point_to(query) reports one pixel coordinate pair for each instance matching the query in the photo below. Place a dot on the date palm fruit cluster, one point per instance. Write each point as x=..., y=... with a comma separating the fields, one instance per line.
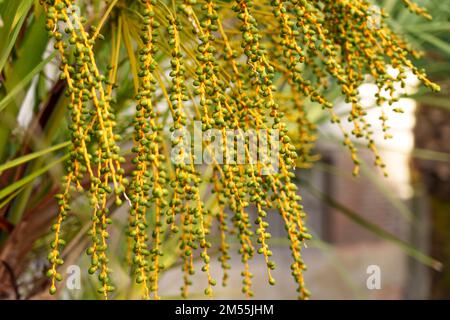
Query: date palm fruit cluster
x=233, y=65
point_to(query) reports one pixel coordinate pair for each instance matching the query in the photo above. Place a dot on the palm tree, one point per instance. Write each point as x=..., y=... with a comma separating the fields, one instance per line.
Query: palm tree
x=122, y=74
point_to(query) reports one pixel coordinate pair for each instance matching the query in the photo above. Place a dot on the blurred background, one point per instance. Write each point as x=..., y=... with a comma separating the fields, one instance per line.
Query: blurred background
x=398, y=224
